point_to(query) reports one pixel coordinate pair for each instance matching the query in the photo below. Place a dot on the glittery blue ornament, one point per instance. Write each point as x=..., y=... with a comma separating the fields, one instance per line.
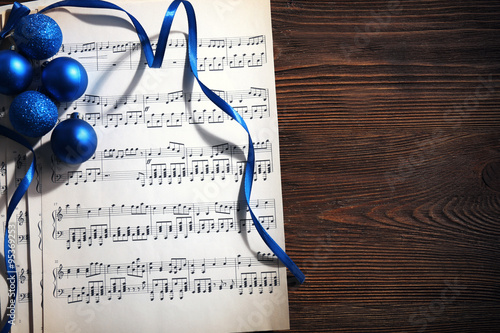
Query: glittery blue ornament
x=32, y=114
x=38, y=36
x=73, y=140
x=16, y=73
x=65, y=79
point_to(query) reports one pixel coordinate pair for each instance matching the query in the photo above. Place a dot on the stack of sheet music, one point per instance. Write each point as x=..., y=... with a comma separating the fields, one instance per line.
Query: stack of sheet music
x=152, y=233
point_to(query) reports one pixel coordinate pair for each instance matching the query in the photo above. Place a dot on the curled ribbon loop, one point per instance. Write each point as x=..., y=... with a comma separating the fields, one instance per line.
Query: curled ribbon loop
x=154, y=60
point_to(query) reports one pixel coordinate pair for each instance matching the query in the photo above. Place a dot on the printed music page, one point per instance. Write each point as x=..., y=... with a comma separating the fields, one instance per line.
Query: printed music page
x=152, y=233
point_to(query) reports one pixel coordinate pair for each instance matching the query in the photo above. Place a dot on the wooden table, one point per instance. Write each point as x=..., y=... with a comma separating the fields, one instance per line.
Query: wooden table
x=390, y=147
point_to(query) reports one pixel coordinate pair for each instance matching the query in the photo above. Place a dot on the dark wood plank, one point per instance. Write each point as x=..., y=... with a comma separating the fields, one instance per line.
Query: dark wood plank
x=384, y=138
x=390, y=145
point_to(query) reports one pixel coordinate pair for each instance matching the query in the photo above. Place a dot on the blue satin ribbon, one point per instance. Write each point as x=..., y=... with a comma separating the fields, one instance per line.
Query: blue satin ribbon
x=16, y=197
x=155, y=60
x=17, y=12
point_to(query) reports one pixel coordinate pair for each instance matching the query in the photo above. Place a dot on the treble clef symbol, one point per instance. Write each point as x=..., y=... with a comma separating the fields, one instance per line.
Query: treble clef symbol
x=19, y=162
x=60, y=273
x=22, y=276
x=57, y=215
x=57, y=273
x=20, y=218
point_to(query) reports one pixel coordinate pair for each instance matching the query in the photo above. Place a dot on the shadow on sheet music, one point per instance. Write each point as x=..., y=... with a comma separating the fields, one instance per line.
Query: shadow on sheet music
x=102, y=20
x=267, y=259
x=64, y=177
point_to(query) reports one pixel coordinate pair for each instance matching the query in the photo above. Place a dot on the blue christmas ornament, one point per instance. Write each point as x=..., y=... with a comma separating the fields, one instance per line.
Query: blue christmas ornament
x=32, y=114
x=16, y=73
x=38, y=36
x=65, y=79
x=74, y=141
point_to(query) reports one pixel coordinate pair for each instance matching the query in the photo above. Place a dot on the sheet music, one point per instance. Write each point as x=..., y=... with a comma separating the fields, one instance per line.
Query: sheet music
x=13, y=167
x=152, y=233
x=17, y=166
x=3, y=208
x=35, y=245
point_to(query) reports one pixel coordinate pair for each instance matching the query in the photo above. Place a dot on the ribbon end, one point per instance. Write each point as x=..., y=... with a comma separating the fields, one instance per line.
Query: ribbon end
x=295, y=281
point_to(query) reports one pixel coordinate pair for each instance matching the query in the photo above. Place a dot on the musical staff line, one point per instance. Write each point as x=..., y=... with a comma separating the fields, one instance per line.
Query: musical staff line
x=155, y=111
x=166, y=279
x=214, y=54
x=168, y=165
x=156, y=222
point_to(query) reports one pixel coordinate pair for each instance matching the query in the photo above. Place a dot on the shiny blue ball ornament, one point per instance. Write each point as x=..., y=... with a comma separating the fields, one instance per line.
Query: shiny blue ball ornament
x=33, y=114
x=65, y=79
x=73, y=140
x=38, y=36
x=16, y=73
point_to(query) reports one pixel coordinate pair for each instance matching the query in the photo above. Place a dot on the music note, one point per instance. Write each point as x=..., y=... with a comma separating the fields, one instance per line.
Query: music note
x=108, y=56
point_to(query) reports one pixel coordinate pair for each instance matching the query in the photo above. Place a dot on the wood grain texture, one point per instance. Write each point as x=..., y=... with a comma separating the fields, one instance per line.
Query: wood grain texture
x=389, y=113
x=390, y=150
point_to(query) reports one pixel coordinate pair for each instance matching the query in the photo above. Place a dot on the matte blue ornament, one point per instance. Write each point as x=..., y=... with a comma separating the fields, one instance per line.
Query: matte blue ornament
x=16, y=73
x=74, y=141
x=33, y=114
x=38, y=36
x=65, y=79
